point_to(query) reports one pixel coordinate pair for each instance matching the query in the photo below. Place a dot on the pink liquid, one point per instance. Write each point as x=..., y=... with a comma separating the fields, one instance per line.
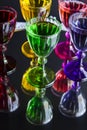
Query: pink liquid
x=67, y=8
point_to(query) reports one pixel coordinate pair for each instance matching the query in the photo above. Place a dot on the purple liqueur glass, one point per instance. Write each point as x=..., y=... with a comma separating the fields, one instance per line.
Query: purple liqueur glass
x=73, y=103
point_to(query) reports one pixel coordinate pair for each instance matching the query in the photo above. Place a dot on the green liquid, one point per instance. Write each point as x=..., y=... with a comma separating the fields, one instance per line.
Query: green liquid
x=42, y=36
x=39, y=108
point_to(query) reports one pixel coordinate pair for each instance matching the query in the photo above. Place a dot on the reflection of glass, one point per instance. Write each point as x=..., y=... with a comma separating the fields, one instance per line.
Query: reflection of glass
x=73, y=103
x=42, y=35
x=9, y=100
x=29, y=10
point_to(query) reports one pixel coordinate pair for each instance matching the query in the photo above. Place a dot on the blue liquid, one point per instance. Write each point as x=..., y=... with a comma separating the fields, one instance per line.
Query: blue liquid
x=79, y=34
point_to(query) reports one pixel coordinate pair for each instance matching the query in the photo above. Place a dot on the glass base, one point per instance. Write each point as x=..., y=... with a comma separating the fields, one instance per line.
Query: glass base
x=39, y=111
x=11, y=65
x=29, y=91
x=56, y=93
x=72, y=104
x=36, y=78
x=26, y=50
x=25, y=85
x=9, y=100
x=61, y=83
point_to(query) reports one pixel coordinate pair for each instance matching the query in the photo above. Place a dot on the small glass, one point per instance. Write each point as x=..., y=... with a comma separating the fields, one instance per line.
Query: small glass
x=9, y=100
x=73, y=102
x=30, y=9
x=43, y=36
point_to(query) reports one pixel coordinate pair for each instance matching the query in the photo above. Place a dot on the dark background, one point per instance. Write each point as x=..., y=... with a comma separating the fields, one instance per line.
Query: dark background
x=17, y=120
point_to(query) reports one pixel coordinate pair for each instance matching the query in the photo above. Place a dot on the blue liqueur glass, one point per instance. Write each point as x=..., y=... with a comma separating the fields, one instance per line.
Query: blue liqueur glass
x=73, y=103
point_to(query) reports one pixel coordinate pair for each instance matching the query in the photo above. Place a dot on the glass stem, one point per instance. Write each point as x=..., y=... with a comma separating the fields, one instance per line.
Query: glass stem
x=34, y=62
x=3, y=71
x=41, y=63
x=64, y=63
x=40, y=92
x=76, y=86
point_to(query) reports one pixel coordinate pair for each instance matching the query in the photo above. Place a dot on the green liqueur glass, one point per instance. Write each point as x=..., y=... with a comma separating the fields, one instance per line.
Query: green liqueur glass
x=42, y=35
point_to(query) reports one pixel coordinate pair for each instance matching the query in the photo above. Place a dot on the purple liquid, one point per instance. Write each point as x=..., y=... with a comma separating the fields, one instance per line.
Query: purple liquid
x=79, y=33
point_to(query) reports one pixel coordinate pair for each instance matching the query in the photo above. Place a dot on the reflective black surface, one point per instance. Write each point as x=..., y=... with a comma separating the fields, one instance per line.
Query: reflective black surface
x=17, y=119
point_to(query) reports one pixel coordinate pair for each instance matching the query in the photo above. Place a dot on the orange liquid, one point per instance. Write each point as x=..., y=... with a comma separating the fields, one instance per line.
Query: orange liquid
x=67, y=8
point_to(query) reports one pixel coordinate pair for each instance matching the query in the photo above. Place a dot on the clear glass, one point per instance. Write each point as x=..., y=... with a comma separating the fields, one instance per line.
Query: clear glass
x=9, y=100
x=73, y=102
x=30, y=9
x=43, y=36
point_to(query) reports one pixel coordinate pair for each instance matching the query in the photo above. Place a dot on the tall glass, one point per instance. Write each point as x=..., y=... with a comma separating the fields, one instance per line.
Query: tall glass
x=62, y=83
x=9, y=100
x=30, y=9
x=66, y=8
x=73, y=103
x=43, y=35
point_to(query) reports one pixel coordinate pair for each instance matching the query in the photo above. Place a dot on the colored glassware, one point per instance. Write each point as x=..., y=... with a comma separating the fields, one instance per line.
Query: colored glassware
x=67, y=8
x=65, y=52
x=42, y=35
x=29, y=10
x=7, y=33
x=73, y=103
x=9, y=100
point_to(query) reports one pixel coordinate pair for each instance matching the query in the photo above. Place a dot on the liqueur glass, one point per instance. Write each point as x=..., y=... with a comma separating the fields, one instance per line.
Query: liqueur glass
x=9, y=15
x=73, y=102
x=30, y=9
x=43, y=35
x=9, y=100
x=62, y=83
x=66, y=8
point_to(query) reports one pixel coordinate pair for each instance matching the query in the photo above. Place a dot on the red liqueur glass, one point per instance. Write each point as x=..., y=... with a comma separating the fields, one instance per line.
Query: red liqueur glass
x=8, y=18
x=9, y=100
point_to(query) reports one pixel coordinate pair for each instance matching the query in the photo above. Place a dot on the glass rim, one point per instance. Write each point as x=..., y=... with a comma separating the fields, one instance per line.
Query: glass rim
x=58, y=24
x=7, y=9
x=40, y=7
x=71, y=19
x=69, y=10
